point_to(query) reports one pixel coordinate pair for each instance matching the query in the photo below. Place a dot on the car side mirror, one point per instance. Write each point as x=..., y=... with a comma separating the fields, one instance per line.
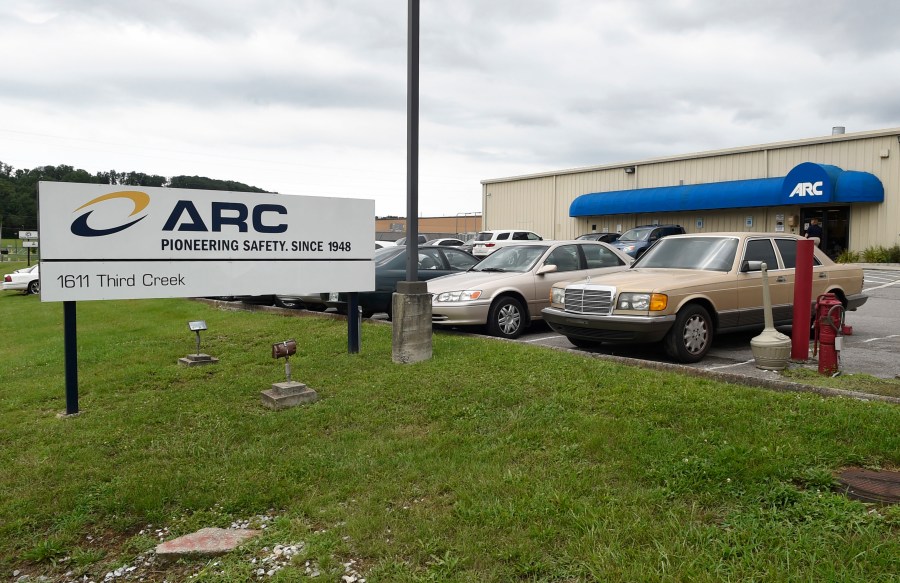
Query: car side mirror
x=751, y=266
x=547, y=268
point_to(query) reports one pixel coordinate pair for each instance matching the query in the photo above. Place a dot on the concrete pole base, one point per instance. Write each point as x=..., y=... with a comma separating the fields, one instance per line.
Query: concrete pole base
x=411, y=311
x=198, y=360
x=288, y=394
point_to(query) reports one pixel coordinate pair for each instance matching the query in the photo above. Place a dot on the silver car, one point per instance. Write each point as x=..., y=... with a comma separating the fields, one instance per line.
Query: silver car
x=508, y=289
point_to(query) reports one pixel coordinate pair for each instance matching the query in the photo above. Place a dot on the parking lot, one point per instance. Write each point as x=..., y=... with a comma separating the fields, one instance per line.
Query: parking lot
x=872, y=348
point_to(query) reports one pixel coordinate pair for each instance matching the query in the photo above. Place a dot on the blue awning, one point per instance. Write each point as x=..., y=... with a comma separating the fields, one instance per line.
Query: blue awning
x=806, y=183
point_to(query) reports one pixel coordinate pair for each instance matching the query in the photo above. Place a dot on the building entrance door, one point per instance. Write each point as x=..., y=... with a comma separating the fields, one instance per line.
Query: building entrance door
x=835, y=223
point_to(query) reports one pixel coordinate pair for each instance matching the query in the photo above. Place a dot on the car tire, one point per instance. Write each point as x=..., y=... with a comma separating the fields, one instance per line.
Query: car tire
x=691, y=335
x=34, y=287
x=506, y=318
x=583, y=342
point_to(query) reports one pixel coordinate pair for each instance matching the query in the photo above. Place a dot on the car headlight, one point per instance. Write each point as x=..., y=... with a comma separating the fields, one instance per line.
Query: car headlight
x=557, y=296
x=627, y=248
x=458, y=296
x=642, y=302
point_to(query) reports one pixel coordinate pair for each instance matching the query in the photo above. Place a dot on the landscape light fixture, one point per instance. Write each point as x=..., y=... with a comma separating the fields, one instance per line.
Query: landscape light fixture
x=196, y=326
x=629, y=170
x=285, y=350
x=288, y=393
x=197, y=359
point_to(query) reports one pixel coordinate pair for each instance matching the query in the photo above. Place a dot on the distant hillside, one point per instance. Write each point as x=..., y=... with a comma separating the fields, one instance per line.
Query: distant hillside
x=18, y=189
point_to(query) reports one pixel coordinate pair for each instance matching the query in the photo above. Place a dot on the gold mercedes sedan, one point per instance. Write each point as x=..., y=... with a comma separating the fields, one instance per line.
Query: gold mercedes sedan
x=688, y=288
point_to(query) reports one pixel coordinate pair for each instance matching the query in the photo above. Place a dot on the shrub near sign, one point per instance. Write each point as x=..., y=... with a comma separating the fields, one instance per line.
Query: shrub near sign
x=106, y=242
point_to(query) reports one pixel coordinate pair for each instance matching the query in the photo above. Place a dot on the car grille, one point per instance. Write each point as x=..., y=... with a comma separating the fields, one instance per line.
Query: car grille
x=589, y=300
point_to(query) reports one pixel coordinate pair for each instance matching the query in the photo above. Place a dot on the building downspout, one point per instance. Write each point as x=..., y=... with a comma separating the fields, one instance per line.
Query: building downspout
x=555, y=206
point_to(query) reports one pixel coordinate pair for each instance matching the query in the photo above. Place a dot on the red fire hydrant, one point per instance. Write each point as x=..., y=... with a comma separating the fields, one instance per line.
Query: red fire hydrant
x=829, y=322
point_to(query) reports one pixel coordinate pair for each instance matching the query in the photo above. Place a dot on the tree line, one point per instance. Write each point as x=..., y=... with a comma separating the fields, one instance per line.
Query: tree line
x=18, y=189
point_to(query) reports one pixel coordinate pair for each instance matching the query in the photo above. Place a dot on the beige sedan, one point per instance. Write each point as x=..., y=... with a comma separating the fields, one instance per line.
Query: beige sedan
x=687, y=288
x=507, y=290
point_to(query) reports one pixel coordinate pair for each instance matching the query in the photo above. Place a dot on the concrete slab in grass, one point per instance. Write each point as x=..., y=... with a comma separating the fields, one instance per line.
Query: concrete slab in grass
x=206, y=542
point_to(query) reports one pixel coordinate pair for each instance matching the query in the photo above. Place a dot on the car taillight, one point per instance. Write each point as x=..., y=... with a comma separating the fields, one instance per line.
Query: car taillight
x=7, y=278
x=489, y=244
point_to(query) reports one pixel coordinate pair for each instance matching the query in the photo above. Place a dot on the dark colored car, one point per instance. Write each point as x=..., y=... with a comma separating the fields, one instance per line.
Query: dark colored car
x=390, y=267
x=637, y=240
x=602, y=237
x=422, y=239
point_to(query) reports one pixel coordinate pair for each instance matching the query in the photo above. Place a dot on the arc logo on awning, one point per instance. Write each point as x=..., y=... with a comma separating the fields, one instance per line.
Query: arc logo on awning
x=807, y=189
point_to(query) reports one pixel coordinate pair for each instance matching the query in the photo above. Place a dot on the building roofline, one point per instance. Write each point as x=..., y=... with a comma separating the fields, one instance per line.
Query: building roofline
x=707, y=154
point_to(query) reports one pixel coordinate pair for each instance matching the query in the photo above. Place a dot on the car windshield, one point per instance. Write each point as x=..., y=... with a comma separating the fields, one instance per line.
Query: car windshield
x=484, y=236
x=516, y=258
x=636, y=234
x=707, y=253
x=382, y=256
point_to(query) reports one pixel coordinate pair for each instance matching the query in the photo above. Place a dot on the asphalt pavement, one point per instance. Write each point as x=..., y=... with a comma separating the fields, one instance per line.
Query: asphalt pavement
x=873, y=348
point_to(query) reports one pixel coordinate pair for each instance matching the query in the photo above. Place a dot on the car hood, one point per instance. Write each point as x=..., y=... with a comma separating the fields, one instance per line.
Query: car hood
x=469, y=280
x=655, y=279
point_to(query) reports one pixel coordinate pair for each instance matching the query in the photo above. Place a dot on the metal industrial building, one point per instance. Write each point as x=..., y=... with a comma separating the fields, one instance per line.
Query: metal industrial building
x=850, y=181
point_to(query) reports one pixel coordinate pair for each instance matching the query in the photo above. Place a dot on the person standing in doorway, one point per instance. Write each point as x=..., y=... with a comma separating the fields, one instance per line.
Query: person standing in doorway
x=815, y=230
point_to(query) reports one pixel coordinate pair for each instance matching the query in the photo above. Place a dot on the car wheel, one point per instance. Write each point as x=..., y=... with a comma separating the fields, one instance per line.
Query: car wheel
x=506, y=318
x=583, y=343
x=34, y=287
x=691, y=335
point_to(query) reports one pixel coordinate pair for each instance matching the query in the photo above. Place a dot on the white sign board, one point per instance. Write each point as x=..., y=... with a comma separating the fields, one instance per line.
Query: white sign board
x=29, y=243
x=120, y=242
x=28, y=234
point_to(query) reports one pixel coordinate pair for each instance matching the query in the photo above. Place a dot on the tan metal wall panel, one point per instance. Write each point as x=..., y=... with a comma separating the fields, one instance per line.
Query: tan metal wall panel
x=521, y=204
x=541, y=203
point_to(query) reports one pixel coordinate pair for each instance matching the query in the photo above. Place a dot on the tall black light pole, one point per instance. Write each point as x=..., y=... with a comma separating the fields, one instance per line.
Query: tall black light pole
x=412, y=145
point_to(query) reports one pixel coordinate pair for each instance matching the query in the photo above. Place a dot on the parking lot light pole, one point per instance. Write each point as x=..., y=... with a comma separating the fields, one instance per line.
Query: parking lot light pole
x=411, y=303
x=412, y=146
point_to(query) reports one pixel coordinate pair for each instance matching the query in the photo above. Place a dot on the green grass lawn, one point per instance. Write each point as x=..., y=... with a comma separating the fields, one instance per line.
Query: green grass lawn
x=493, y=461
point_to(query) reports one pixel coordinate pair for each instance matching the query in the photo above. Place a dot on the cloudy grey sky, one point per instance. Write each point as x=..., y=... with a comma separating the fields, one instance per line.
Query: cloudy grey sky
x=309, y=96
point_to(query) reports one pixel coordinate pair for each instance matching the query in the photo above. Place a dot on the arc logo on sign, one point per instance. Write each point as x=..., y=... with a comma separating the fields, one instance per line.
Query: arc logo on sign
x=807, y=189
x=81, y=227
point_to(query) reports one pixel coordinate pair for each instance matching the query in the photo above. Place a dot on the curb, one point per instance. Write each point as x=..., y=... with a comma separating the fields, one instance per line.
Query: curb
x=878, y=266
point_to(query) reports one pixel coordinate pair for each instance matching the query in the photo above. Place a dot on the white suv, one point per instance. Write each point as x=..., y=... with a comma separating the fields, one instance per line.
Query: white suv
x=486, y=242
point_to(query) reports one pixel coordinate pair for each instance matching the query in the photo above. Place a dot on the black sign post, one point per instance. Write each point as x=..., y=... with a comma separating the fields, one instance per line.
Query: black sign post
x=353, y=324
x=71, y=348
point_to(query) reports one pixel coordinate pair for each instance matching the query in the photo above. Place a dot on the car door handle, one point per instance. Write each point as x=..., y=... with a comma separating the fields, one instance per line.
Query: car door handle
x=780, y=279
x=823, y=275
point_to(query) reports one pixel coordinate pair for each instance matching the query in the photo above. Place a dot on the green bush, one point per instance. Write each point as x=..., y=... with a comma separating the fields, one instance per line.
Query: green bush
x=876, y=254
x=894, y=254
x=848, y=256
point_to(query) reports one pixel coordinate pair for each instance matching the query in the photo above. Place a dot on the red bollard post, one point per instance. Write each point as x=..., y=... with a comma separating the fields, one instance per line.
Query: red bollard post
x=803, y=276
